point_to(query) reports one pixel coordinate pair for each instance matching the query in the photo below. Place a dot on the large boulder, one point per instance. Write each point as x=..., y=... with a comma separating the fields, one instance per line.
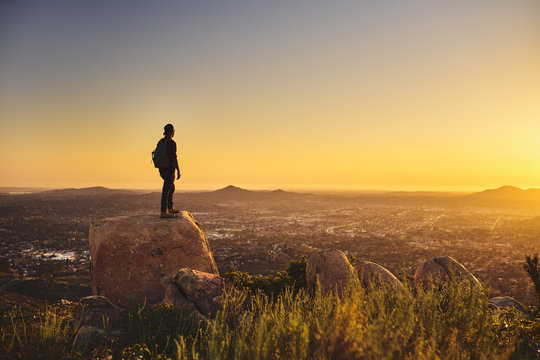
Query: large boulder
x=372, y=274
x=441, y=270
x=131, y=253
x=203, y=289
x=330, y=268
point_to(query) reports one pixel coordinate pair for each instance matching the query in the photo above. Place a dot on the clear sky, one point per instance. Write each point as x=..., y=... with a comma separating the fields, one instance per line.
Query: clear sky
x=362, y=94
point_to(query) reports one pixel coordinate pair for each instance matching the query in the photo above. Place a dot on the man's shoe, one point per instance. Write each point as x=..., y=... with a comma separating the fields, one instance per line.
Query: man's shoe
x=173, y=211
x=166, y=215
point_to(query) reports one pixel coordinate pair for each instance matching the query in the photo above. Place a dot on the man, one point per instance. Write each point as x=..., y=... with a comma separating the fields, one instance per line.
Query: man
x=167, y=174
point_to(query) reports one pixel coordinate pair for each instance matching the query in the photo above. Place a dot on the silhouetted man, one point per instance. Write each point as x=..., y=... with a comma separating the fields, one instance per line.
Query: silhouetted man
x=167, y=173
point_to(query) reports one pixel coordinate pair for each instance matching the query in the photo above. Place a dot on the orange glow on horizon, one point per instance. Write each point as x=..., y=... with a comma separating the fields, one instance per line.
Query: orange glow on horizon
x=447, y=101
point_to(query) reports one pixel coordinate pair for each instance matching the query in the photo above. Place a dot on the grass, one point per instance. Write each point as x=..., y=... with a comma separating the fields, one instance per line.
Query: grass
x=42, y=335
x=452, y=323
x=380, y=324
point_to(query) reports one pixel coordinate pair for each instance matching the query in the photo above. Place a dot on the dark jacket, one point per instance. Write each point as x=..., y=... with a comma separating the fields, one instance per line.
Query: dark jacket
x=171, y=153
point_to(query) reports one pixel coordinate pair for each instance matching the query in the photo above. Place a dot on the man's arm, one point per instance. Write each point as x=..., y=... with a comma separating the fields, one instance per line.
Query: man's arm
x=177, y=169
x=171, y=151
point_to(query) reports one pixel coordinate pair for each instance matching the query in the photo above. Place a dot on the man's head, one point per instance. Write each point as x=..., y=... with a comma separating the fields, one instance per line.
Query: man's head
x=168, y=130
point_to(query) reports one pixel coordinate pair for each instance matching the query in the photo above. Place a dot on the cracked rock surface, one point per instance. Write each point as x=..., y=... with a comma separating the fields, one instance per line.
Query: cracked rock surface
x=203, y=289
x=130, y=254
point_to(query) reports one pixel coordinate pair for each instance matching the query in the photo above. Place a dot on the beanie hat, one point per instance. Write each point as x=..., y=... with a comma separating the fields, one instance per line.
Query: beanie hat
x=168, y=129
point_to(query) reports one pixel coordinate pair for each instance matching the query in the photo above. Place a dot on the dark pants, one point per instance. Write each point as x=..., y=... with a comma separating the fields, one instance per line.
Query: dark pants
x=167, y=174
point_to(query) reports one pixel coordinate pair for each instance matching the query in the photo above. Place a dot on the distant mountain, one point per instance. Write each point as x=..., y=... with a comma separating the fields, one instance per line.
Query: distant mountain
x=418, y=194
x=231, y=190
x=234, y=193
x=504, y=196
x=507, y=194
x=503, y=191
x=89, y=191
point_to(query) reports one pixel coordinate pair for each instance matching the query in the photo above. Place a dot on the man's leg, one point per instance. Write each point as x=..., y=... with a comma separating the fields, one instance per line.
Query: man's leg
x=171, y=193
x=168, y=181
x=163, y=191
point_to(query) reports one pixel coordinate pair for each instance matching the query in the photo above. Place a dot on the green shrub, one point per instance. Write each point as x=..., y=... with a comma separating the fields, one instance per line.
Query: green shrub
x=282, y=320
x=519, y=332
x=532, y=267
x=294, y=277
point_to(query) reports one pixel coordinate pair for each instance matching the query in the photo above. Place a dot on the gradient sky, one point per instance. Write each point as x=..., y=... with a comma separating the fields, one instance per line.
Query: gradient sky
x=264, y=94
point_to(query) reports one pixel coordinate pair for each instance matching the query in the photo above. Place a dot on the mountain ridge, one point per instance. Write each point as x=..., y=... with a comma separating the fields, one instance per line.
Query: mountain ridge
x=87, y=191
x=505, y=194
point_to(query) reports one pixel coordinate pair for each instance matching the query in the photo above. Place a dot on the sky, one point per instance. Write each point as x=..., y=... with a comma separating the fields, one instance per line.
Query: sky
x=288, y=94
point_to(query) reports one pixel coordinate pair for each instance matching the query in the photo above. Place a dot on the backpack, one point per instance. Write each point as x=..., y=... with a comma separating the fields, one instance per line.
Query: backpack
x=159, y=155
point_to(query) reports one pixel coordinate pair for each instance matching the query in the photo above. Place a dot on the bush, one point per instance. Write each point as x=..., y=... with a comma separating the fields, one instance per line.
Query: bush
x=532, y=268
x=285, y=321
x=294, y=277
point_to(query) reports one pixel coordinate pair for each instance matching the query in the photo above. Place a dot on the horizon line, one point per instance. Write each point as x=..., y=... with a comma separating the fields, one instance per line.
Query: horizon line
x=269, y=187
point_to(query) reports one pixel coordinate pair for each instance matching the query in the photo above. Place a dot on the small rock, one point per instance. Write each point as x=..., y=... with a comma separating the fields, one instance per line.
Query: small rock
x=202, y=289
x=501, y=302
x=88, y=337
x=331, y=268
x=440, y=271
x=372, y=273
x=174, y=296
x=98, y=311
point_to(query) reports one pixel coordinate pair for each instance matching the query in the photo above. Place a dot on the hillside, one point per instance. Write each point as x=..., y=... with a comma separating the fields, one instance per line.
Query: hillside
x=89, y=191
x=234, y=193
x=507, y=195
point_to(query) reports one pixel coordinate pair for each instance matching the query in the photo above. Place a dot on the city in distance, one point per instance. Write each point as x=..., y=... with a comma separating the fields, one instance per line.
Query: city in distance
x=44, y=234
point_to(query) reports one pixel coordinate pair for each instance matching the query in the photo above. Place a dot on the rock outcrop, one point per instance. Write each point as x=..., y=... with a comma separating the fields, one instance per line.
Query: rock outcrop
x=94, y=309
x=131, y=253
x=372, y=274
x=203, y=289
x=98, y=319
x=502, y=302
x=88, y=337
x=330, y=268
x=440, y=271
x=174, y=296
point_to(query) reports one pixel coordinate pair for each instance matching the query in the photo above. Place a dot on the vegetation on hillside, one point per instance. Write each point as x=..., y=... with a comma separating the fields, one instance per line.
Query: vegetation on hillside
x=532, y=267
x=284, y=321
x=292, y=278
